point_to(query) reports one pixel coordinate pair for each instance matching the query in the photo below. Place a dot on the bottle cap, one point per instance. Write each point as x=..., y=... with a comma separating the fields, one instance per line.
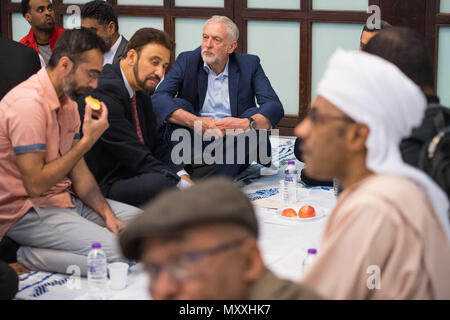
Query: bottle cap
x=312, y=251
x=96, y=245
x=291, y=162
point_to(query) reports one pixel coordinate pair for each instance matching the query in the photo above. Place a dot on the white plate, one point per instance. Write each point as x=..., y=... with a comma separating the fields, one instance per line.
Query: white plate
x=320, y=213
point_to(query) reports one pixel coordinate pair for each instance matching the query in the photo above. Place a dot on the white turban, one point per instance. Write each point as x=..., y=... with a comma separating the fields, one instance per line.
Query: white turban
x=375, y=92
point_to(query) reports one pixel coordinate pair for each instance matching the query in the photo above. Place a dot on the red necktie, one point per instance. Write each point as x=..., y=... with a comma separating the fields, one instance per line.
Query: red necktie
x=136, y=118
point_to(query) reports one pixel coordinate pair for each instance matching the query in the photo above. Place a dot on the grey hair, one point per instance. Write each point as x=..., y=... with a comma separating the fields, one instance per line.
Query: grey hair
x=232, y=29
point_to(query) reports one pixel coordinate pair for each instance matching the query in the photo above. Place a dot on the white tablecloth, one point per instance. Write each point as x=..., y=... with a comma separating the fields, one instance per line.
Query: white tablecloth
x=283, y=243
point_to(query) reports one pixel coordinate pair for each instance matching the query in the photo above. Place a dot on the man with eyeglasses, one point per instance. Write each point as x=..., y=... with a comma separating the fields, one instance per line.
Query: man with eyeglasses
x=388, y=235
x=204, y=248
x=50, y=202
x=43, y=33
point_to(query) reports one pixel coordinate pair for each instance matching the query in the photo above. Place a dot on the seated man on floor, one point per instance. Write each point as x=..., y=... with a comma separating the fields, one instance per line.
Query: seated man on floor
x=388, y=235
x=193, y=252
x=213, y=89
x=50, y=203
x=24, y=65
x=130, y=161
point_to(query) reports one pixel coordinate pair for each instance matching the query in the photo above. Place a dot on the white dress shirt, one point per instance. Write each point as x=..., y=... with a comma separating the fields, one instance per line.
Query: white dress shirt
x=109, y=56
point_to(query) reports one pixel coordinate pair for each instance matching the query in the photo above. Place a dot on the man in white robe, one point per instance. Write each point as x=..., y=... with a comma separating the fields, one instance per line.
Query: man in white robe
x=388, y=236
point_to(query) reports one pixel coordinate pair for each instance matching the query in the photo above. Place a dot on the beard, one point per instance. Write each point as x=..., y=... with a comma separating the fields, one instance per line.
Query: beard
x=210, y=60
x=141, y=83
x=71, y=89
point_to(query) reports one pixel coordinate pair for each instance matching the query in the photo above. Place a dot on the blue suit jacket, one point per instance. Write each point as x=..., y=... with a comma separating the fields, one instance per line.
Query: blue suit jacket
x=186, y=84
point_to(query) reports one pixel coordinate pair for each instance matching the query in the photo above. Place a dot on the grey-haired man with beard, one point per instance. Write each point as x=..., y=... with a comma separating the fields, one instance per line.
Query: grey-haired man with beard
x=49, y=201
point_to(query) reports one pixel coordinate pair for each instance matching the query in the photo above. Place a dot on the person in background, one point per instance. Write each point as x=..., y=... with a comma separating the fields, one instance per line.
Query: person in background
x=25, y=63
x=205, y=248
x=368, y=34
x=43, y=33
x=388, y=236
x=99, y=16
x=404, y=48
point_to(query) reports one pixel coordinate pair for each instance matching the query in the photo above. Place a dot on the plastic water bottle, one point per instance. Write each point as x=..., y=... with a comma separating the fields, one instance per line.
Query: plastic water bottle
x=309, y=258
x=290, y=183
x=97, y=268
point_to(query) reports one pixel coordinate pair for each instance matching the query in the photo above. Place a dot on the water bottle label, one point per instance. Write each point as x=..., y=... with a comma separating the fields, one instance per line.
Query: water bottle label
x=91, y=269
x=288, y=179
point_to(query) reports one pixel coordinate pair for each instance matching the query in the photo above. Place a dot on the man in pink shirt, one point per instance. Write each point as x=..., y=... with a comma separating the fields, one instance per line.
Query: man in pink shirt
x=49, y=201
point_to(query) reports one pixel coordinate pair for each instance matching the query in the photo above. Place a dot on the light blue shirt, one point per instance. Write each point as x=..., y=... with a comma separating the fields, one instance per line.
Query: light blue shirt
x=217, y=99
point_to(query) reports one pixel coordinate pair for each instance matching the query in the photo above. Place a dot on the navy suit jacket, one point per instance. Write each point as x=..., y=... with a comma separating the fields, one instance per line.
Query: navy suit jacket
x=17, y=63
x=119, y=154
x=185, y=87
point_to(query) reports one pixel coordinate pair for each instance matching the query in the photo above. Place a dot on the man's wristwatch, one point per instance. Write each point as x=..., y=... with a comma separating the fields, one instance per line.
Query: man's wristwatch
x=252, y=124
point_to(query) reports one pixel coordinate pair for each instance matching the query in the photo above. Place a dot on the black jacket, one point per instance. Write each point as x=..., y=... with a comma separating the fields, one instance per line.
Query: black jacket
x=17, y=63
x=119, y=154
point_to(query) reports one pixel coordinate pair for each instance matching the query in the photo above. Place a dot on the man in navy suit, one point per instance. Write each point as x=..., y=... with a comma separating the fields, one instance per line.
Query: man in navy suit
x=130, y=162
x=216, y=87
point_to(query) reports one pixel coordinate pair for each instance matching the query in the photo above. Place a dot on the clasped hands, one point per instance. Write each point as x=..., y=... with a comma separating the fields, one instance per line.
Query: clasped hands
x=218, y=128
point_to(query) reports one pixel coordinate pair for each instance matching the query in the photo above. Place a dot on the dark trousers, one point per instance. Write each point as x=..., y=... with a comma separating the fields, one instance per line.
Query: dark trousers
x=244, y=151
x=9, y=282
x=140, y=189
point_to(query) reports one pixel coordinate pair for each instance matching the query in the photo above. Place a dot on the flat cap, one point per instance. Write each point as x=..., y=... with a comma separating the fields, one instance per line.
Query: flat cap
x=211, y=201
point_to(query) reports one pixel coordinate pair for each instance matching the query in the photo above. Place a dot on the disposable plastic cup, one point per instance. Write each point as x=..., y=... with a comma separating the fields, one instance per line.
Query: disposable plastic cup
x=118, y=273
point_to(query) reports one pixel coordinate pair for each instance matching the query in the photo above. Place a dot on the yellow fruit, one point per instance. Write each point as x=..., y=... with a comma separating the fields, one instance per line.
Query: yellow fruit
x=93, y=103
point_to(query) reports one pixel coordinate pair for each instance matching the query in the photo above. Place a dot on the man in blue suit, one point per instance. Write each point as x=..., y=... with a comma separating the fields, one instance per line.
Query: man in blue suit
x=216, y=87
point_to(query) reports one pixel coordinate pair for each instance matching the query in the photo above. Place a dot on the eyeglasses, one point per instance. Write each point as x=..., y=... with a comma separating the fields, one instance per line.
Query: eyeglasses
x=317, y=117
x=91, y=74
x=183, y=267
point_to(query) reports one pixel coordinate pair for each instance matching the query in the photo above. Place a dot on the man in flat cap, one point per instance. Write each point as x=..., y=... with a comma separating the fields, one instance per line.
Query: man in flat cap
x=204, y=248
